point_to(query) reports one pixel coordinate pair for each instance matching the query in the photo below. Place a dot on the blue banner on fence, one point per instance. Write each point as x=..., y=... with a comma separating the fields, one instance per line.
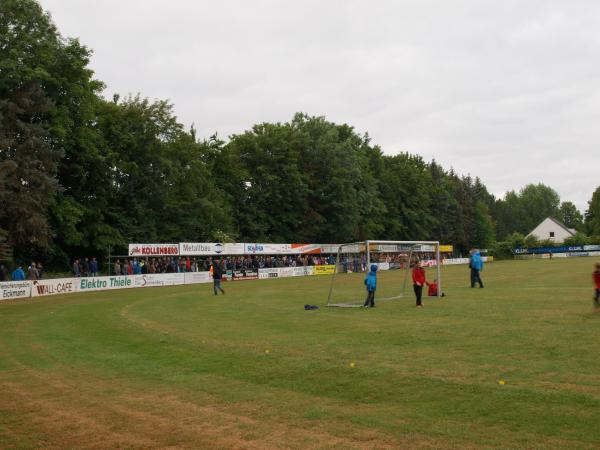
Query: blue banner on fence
x=542, y=250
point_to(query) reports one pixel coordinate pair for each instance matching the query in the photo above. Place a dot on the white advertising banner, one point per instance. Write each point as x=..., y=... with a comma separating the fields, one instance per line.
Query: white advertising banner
x=210, y=248
x=53, y=287
x=15, y=289
x=268, y=273
x=268, y=249
x=159, y=279
x=276, y=272
x=104, y=283
x=454, y=261
x=153, y=249
x=314, y=248
x=303, y=271
x=197, y=277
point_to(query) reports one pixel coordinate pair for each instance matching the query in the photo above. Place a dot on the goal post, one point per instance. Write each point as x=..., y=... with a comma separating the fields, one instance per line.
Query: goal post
x=394, y=260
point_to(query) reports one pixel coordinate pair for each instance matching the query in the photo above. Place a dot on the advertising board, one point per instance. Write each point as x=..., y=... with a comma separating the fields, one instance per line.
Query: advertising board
x=324, y=270
x=210, y=248
x=243, y=275
x=11, y=290
x=197, y=277
x=153, y=249
x=56, y=286
x=159, y=279
x=267, y=249
x=303, y=271
x=268, y=273
x=104, y=283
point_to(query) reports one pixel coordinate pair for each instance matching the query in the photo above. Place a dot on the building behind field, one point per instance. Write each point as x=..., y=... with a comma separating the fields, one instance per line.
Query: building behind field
x=552, y=229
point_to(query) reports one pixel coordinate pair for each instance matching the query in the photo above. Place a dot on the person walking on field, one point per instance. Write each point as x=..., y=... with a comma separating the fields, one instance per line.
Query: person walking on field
x=597, y=283
x=418, y=277
x=476, y=266
x=371, y=284
x=217, y=273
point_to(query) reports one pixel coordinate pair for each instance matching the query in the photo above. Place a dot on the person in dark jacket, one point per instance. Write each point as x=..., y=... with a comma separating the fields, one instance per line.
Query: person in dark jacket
x=94, y=267
x=76, y=268
x=371, y=284
x=217, y=273
x=3, y=273
x=476, y=266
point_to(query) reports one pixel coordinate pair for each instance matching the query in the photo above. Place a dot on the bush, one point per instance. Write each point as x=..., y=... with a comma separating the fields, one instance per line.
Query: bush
x=578, y=239
x=502, y=250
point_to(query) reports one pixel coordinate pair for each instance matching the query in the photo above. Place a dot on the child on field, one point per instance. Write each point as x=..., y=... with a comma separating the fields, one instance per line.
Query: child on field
x=371, y=283
x=597, y=283
x=432, y=289
x=418, y=277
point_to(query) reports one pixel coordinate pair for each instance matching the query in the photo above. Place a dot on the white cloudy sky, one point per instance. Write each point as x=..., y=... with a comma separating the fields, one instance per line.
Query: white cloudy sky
x=506, y=90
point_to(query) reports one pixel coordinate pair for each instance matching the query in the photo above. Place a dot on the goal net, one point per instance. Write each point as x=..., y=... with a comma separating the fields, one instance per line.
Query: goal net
x=394, y=261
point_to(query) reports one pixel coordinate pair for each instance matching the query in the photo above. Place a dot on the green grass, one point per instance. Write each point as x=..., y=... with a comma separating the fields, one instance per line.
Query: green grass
x=179, y=367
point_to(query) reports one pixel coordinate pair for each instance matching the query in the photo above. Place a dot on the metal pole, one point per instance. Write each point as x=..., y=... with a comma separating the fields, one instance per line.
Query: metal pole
x=439, y=271
x=109, y=260
x=335, y=271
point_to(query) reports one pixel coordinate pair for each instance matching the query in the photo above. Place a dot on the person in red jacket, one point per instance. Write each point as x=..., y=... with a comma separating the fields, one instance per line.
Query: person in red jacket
x=418, y=277
x=597, y=283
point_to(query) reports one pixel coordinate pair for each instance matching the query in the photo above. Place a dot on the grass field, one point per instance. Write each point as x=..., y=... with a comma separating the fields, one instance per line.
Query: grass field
x=178, y=367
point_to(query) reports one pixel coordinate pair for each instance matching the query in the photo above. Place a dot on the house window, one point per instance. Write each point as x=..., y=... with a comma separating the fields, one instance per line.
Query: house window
x=552, y=234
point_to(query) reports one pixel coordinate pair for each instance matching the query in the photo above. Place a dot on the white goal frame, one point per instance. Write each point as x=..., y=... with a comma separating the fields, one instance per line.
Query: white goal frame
x=368, y=244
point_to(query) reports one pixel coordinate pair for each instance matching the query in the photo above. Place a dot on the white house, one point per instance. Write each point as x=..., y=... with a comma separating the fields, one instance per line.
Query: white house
x=552, y=229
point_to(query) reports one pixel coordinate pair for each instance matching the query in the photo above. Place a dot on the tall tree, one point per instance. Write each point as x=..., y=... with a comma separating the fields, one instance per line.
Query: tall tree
x=570, y=215
x=592, y=215
x=483, y=232
x=30, y=123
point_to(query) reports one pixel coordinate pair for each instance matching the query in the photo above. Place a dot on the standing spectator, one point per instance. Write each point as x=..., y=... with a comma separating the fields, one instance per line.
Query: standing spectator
x=85, y=267
x=40, y=270
x=18, y=274
x=476, y=266
x=3, y=273
x=117, y=267
x=94, y=267
x=32, y=273
x=76, y=270
x=217, y=273
x=418, y=277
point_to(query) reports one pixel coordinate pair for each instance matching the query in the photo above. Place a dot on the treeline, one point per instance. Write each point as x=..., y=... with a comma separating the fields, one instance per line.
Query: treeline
x=80, y=173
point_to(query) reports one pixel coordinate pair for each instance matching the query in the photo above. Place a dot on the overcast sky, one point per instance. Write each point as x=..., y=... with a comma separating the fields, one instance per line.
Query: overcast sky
x=504, y=90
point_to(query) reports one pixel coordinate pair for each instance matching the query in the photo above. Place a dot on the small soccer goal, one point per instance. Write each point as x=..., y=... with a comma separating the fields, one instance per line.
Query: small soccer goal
x=394, y=260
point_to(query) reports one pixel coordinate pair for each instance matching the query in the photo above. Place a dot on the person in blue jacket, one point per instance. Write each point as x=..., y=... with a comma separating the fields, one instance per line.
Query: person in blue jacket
x=18, y=274
x=371, y=284
x=476, y=266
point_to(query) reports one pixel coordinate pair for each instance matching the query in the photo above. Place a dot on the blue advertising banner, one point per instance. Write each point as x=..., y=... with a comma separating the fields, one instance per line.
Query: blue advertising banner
x=542, y=250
